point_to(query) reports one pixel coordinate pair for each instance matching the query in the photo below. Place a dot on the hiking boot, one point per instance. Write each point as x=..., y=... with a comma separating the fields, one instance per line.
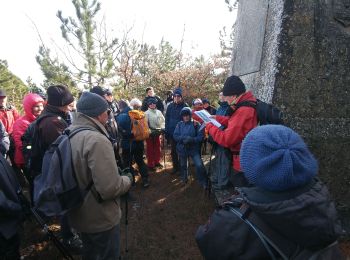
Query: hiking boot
x=74, y=244
x=145, y=183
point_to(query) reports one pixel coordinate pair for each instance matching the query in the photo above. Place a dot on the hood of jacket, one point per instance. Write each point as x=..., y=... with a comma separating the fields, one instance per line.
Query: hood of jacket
x=29, y=101
x=306, y=216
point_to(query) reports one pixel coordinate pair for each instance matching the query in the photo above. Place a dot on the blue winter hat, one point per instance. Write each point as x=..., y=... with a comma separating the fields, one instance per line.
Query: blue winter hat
x=186, y=111
x=275, y=158
x=178, y=91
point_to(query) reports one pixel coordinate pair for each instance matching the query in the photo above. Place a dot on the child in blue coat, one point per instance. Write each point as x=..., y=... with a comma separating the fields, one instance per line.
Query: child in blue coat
x=188, y=137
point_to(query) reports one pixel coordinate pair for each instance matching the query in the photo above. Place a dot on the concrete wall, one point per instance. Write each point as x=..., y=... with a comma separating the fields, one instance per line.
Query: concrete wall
x=305, y=70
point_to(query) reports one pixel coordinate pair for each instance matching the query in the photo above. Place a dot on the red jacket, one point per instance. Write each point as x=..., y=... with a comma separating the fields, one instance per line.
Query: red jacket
x=237, y=126
x=8, y=116
x=21, y=125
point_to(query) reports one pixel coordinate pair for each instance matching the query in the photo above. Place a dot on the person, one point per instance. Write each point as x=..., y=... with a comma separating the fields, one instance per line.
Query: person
x=286, y=197
x=188, y=137
x=99, y=216
x=111, y=124
x=112, y=104
x=172, y=117
x=55, y=121
x=222, y=164
x=4, y=140
x=236, y=126
x=169, y=98
x=150, y=94
x=206, y=105
x=156, y=123
x=197, y=106
x=8, y=113
x=33, y=105
x=11, y=212
x=136, y=104
x=131, y=149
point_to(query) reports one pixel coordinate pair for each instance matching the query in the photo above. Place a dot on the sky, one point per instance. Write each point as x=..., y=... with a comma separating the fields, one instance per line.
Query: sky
x=151, y=20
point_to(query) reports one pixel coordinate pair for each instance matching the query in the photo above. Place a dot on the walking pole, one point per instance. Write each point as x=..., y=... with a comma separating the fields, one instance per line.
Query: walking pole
x=164, y=152
x=209, y=171
x=126, y=223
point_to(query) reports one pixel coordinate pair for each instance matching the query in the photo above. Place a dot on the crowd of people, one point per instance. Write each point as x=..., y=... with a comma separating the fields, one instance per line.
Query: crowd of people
x=271, y=164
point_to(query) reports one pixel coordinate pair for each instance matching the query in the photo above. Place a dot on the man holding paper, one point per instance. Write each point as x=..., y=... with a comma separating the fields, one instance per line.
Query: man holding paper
x=235, y=127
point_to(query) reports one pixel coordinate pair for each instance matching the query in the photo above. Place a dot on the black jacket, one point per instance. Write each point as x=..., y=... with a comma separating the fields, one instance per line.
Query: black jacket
x=305, y=216
x=10, y=206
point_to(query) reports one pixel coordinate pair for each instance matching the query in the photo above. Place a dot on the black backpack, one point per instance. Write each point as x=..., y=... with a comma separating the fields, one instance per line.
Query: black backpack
x=32, y=147
x=221, y=227
x=267, y=113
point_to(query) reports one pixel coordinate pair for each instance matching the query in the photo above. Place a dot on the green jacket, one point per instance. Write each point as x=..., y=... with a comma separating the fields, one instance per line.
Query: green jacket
x=94, y=159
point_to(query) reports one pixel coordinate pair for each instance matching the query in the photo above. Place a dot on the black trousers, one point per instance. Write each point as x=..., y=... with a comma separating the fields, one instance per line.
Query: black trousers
x=174, y=155
x=136, y=154
x=9, y=248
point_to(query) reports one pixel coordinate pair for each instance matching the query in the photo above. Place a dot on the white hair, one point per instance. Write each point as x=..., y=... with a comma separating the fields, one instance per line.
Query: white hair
x=135, y=103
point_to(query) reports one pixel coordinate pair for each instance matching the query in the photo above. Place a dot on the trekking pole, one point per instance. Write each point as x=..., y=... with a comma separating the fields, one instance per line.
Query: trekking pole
x=209, y=171
x=63, y=250
x=126, y=222
x=164, y=152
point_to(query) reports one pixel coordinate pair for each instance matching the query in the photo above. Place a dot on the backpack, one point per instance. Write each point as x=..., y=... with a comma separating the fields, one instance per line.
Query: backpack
x=139, y=126
x=56, y=190
x=221, y=227
x=267, y=113
x=32, y=147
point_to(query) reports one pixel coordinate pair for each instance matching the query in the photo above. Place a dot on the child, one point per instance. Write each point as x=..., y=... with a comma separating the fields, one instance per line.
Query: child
x=156, y=123
x=189, y=138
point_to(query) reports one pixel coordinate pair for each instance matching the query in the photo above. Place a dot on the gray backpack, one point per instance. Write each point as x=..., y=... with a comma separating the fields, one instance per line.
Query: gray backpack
x=56, y=190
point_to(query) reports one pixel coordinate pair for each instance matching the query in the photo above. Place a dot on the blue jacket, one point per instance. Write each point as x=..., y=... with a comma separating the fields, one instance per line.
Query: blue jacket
x=124, y=126
x=224, y=109
x=182, y=132
x=172, y=117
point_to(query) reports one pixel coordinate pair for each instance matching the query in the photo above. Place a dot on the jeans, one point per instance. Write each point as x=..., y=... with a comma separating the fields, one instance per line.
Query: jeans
x=200, y=169
x=101, y=246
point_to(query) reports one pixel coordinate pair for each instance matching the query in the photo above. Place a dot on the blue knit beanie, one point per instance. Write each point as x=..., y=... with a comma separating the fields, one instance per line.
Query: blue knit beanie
x=91, y=104
x=178, y=91
x=275, y=158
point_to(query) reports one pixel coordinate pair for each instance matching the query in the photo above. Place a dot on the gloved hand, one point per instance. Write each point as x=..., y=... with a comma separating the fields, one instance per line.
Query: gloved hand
x=126, y=172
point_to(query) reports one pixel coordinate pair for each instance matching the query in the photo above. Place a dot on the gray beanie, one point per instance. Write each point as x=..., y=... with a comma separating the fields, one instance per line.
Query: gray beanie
x=91, y=104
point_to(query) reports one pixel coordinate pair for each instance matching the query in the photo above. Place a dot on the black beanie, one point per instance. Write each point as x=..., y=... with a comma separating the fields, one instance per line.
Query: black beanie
x=98, y=90
x=59, y=96
x=233, y=86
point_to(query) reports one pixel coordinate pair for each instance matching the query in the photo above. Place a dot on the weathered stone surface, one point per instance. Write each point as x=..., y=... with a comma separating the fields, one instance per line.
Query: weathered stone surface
x=305, y=70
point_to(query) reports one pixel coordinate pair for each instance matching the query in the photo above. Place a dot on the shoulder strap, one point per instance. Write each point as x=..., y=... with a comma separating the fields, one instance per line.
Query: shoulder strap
x=246, y=104
x=263, y=232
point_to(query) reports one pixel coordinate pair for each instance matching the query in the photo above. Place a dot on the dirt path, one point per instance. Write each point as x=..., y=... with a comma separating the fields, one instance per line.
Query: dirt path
x=164, y=218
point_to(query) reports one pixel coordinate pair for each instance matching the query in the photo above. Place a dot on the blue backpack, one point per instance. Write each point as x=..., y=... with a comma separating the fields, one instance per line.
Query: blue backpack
x=56, y=190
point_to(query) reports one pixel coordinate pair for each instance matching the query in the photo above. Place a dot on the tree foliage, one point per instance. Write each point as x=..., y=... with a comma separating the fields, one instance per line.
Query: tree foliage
x=13, y=86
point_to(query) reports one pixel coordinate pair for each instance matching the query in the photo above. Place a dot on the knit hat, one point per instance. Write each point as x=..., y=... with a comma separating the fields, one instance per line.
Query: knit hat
x=275, y=158
x=206, y=101
x=233, y=86
x=197, y=101
x=151, y=100
x=98, y=90
x=186, y=111
x=91, y=104
x=178, y=91
x=59, y=96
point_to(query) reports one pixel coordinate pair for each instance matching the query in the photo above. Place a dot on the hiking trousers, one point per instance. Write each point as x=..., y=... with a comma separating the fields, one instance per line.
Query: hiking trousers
x=103, y=245
x=153, y=151
x=201, y=174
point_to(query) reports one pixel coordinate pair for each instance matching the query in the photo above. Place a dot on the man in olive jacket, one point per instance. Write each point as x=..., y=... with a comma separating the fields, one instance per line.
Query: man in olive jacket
x=99, y=216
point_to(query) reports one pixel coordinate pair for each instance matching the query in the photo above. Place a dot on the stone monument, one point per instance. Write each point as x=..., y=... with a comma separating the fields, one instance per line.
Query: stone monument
x=296, y=54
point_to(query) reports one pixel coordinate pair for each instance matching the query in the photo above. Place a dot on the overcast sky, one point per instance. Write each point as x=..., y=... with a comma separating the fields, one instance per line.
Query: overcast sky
x=154, y=19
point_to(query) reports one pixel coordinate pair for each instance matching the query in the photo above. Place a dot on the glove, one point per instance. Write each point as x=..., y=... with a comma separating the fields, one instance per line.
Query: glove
x=126, y=172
